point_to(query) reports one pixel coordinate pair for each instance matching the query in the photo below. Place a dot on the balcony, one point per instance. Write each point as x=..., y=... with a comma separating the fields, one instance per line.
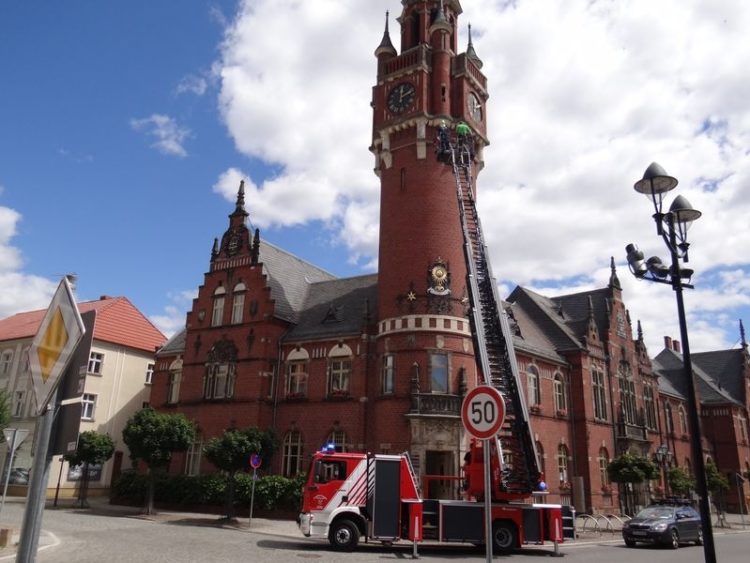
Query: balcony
x=435, y=404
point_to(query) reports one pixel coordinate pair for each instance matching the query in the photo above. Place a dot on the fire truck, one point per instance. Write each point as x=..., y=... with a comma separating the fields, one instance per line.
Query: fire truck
x=349, y=496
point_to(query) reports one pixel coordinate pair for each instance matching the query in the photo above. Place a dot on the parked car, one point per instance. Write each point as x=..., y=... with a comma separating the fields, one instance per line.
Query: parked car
x=664, y=524
x=18, y=477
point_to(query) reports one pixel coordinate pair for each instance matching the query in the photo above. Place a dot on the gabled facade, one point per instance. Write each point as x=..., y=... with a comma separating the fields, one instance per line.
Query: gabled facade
x=380, y=363
x=118, y=379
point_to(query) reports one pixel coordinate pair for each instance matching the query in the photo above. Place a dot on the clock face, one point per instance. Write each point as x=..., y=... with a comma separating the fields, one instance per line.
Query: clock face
x=401, y=97
x=475, y=107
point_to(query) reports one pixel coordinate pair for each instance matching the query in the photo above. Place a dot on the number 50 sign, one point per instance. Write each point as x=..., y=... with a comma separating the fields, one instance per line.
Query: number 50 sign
x=483, y=412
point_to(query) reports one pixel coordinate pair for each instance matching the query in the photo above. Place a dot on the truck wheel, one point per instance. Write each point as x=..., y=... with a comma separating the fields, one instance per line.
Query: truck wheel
x=503, y=536
x=344, y=535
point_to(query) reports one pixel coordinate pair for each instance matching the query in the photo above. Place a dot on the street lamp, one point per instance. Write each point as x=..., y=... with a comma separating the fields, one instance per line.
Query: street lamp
x=664, y=459
x=672, y=227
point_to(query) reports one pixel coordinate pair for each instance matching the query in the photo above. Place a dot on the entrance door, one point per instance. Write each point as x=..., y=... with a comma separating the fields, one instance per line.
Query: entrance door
x=437, y=464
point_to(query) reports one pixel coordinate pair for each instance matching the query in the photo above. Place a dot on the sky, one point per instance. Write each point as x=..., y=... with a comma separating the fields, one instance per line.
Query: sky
x=126, y=126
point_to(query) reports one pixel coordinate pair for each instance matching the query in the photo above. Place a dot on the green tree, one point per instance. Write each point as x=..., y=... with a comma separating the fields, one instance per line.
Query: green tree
x=631, y=468
x=4, y=412
x=680, y=482
x=230, y=453
x=93, y=449
x=152, y=437
x=716, y=483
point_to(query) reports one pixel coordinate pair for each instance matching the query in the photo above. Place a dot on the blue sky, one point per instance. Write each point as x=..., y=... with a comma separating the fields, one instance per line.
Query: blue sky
x=125, y=128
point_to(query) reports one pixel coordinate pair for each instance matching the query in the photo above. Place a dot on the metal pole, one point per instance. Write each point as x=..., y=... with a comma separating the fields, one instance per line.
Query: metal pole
x=10, y=468
x=740, y=492
x=709, y=550
x=32, y=518
x=252, y=497
x=487, y=502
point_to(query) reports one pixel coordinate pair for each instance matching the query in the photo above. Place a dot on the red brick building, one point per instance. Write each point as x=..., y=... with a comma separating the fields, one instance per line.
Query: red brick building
x=381, y=362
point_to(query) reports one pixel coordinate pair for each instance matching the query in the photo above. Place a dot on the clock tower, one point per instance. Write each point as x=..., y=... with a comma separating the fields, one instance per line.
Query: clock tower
x=423, y=337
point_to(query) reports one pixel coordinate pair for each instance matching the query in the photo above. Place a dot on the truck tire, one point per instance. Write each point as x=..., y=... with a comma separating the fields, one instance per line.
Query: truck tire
x=344, y=535
x=503, y=536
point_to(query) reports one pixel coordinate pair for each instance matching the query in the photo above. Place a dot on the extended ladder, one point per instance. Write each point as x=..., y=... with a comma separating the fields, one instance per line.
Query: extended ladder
x=493, y=342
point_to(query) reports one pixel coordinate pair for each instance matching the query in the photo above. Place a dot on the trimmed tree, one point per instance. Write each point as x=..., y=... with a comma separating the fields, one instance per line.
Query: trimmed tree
x=93, y=448
x=230, y=453
x=680, y=482
x=716, y=483
x=4, y=412
x=152, y=438
x=631, y=468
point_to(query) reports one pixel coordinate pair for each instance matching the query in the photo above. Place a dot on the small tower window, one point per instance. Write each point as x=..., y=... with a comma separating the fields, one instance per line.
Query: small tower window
x=217, y=314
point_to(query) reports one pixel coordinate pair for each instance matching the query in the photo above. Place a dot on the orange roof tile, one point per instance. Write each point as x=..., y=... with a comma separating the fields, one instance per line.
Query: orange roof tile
x=117, y=321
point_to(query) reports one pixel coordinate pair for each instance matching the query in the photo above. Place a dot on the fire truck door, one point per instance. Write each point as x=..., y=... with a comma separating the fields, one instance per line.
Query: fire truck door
x=384, y=498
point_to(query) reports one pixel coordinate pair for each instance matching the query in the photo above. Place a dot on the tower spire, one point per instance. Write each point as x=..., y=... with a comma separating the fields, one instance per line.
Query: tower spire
x=742, y=335
x=614, y=281
x=440, y=22
x=471, y=53
x=386, y=47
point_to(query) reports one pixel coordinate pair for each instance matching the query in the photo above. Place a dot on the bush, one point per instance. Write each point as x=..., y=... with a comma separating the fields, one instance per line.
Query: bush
x=272, y=492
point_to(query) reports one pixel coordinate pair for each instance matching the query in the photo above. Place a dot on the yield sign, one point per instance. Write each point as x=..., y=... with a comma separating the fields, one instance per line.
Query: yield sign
x=54, y=343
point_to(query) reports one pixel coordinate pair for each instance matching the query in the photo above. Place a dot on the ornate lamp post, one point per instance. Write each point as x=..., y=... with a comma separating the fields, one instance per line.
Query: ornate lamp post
x=672, y=227
x=664, y=459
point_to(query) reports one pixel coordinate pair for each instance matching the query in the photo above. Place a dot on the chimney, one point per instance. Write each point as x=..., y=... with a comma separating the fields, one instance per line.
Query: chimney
x=676, y=346
x=667, y=342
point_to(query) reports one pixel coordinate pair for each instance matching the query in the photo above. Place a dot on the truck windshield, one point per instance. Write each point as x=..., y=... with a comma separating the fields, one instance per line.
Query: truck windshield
x=327, y=470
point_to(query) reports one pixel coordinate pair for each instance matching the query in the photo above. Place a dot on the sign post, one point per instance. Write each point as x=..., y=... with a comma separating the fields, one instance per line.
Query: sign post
x=51, y=350
x=483, y=413
x=255, y=461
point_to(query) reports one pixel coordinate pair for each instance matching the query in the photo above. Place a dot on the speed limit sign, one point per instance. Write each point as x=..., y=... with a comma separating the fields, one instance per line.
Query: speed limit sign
x=483, y=412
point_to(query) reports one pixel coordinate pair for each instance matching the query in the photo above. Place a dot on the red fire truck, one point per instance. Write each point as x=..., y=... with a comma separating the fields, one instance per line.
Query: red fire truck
x=349, y=496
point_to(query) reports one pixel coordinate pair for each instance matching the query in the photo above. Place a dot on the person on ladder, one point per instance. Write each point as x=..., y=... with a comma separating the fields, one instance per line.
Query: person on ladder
x=465, y=139
x=444, y=142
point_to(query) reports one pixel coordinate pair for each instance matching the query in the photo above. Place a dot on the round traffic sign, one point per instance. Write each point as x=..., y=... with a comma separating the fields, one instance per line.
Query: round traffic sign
x=255, y=461
x=483, y=412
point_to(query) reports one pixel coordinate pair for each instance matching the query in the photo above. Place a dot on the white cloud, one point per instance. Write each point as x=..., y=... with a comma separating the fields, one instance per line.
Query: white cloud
x=169, y=134
x=583, y=97
x=173, y=318
x=192, y=84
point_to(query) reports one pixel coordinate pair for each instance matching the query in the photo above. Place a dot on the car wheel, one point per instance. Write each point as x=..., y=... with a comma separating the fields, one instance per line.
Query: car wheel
x=503, y=536
x=699, y=539
x=629, y=542
x=674, y=539
x=344, y=535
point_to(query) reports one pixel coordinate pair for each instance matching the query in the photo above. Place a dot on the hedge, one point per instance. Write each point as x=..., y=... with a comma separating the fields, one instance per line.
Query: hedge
x=272, y=492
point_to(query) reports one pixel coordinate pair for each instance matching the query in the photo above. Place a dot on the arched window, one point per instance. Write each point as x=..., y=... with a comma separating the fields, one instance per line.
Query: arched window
x=339, y=439
x=688, y=467
x=603, y=463
x=562, y=465
x=535, y=394
x=217, y=313
x=683, y=420
x=561, y=397
x=221, y=365
x=600, y=397
x=296, y=373
x=173, y=384
x=238, y=303
x=540, y=457
x=668, y=418
x=339, y=370
x=649, y=406
x=291, y=454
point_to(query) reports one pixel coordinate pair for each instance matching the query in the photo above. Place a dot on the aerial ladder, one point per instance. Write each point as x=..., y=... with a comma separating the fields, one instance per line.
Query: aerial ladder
x=514, y=445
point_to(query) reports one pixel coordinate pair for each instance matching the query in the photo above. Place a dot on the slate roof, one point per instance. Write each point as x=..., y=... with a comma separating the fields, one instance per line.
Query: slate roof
x=532, y=339
x=175, y=345
x=669, y=367
x=545, y=313
x=118, y=321
x=726, y=369
x=336, y=308
x=289, y=278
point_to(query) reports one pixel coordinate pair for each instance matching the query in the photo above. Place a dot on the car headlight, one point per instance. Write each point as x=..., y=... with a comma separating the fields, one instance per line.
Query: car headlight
x=660, y=527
